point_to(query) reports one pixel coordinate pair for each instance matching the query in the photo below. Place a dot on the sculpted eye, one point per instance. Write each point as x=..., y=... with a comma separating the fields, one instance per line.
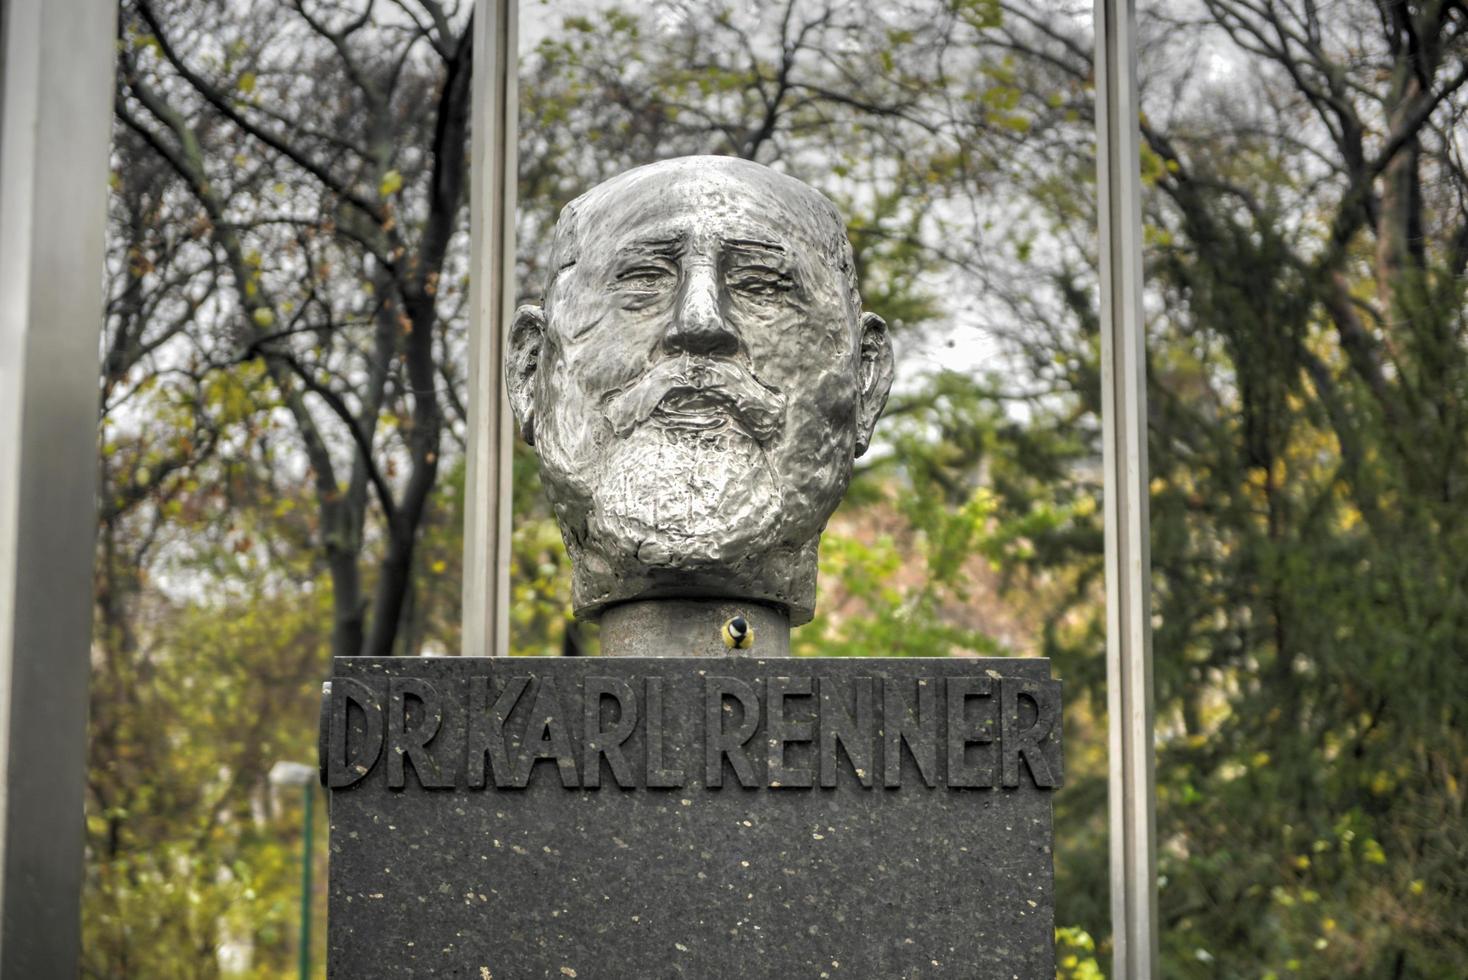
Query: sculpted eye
x=645, y=277
x=761, y=284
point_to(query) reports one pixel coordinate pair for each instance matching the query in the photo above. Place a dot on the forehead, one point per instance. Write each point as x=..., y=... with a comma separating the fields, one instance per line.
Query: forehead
x=703, y=202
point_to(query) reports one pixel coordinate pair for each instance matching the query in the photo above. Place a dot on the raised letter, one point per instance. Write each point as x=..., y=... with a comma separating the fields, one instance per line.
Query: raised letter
x=962, y=732
x=598, y=741
x=657, y=776
x=921, y=734
x=837, y=727
x=719, y=742
x=412, y=743
x=1016, y=742
x=781, y=731
x=343, y=766
x=551, y=739
x=486, y=728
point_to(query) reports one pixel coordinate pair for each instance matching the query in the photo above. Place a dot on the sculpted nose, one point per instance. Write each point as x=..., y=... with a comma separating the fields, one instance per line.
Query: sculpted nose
x=698, y=324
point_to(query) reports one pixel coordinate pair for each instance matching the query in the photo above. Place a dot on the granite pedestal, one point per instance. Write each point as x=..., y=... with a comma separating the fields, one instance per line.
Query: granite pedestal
x=636, y=818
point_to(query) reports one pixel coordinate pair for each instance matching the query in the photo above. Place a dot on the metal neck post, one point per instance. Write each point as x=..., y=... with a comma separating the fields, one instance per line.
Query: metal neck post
x=691, y=628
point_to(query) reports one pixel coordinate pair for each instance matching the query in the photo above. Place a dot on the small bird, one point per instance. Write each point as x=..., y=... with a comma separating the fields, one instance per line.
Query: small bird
x=738, y=634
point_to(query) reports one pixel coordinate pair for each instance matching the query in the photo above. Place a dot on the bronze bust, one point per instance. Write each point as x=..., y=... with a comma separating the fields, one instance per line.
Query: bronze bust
x=698, y=383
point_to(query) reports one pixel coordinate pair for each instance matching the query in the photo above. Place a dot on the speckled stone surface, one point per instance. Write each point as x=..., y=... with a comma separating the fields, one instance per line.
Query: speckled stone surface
x=638, y=818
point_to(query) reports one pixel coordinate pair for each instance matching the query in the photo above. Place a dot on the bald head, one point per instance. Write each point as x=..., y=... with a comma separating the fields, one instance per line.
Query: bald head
x=720, y=187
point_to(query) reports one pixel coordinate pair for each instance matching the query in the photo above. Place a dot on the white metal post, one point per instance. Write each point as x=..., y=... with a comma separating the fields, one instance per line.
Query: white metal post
x=56, y=62
x=493, y=173
x=1128, y=555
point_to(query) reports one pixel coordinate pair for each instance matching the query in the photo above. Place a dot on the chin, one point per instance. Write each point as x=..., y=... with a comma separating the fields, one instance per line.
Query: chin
x=676, y=511
x=683, y=498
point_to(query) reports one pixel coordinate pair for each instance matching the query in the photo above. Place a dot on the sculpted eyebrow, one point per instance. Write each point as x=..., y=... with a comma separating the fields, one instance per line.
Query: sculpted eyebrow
x=754, y=245
x=659, y=246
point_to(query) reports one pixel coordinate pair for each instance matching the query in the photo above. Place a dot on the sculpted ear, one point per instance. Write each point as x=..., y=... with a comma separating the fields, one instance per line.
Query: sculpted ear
x=527, y=333
x=874, y=377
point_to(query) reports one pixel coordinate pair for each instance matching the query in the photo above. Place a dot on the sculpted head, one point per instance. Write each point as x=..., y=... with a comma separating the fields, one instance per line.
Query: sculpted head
x=698, y=383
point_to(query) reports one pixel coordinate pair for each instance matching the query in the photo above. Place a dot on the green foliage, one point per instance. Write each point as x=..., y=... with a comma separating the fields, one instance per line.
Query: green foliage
x=966, y=501
x=189, y=849
x=1307, y=555
x=1075, y=955
x=1308, y=379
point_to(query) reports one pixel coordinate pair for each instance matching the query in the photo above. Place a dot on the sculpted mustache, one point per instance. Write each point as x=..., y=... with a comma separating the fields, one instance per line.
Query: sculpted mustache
x=758, y=408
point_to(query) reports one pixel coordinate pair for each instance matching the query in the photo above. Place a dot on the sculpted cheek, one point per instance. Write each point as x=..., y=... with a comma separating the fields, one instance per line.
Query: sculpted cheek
x=786, y=349
x=567, y=436
x=614, y=351
x=817, y=451
x=829, y=396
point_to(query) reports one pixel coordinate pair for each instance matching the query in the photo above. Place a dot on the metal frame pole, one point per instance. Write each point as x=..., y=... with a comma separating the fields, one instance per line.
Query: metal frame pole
x=307, y=837
x=56, y=64
x=493, y=174
x=1128, y=557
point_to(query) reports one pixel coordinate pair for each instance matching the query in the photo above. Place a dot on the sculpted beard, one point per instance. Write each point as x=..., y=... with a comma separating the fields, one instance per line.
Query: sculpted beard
x=689, y=479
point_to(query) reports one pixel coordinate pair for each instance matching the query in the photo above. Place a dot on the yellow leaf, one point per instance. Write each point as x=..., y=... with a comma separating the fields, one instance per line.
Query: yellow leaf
x=246, y=83
x=263, y=317
x=392, y=182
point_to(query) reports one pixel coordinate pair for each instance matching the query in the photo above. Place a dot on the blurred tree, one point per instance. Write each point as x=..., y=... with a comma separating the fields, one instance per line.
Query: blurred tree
x=283, y=427
x=1307, y=235
x=191, y=860
x=328, y=216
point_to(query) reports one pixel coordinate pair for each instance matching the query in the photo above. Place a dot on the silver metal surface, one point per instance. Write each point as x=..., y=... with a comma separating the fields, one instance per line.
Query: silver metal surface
x=486, y=595
x=691, y=628
x=1128, y=557
x=698, y=383
x=57, y=100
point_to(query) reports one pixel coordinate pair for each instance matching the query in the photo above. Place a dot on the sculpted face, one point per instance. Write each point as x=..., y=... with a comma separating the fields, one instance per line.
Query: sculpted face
x=698, y=383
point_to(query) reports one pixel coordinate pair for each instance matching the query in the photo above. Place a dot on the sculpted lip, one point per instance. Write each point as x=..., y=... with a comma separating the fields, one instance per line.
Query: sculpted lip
x=697, y=409
x=702, y=394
